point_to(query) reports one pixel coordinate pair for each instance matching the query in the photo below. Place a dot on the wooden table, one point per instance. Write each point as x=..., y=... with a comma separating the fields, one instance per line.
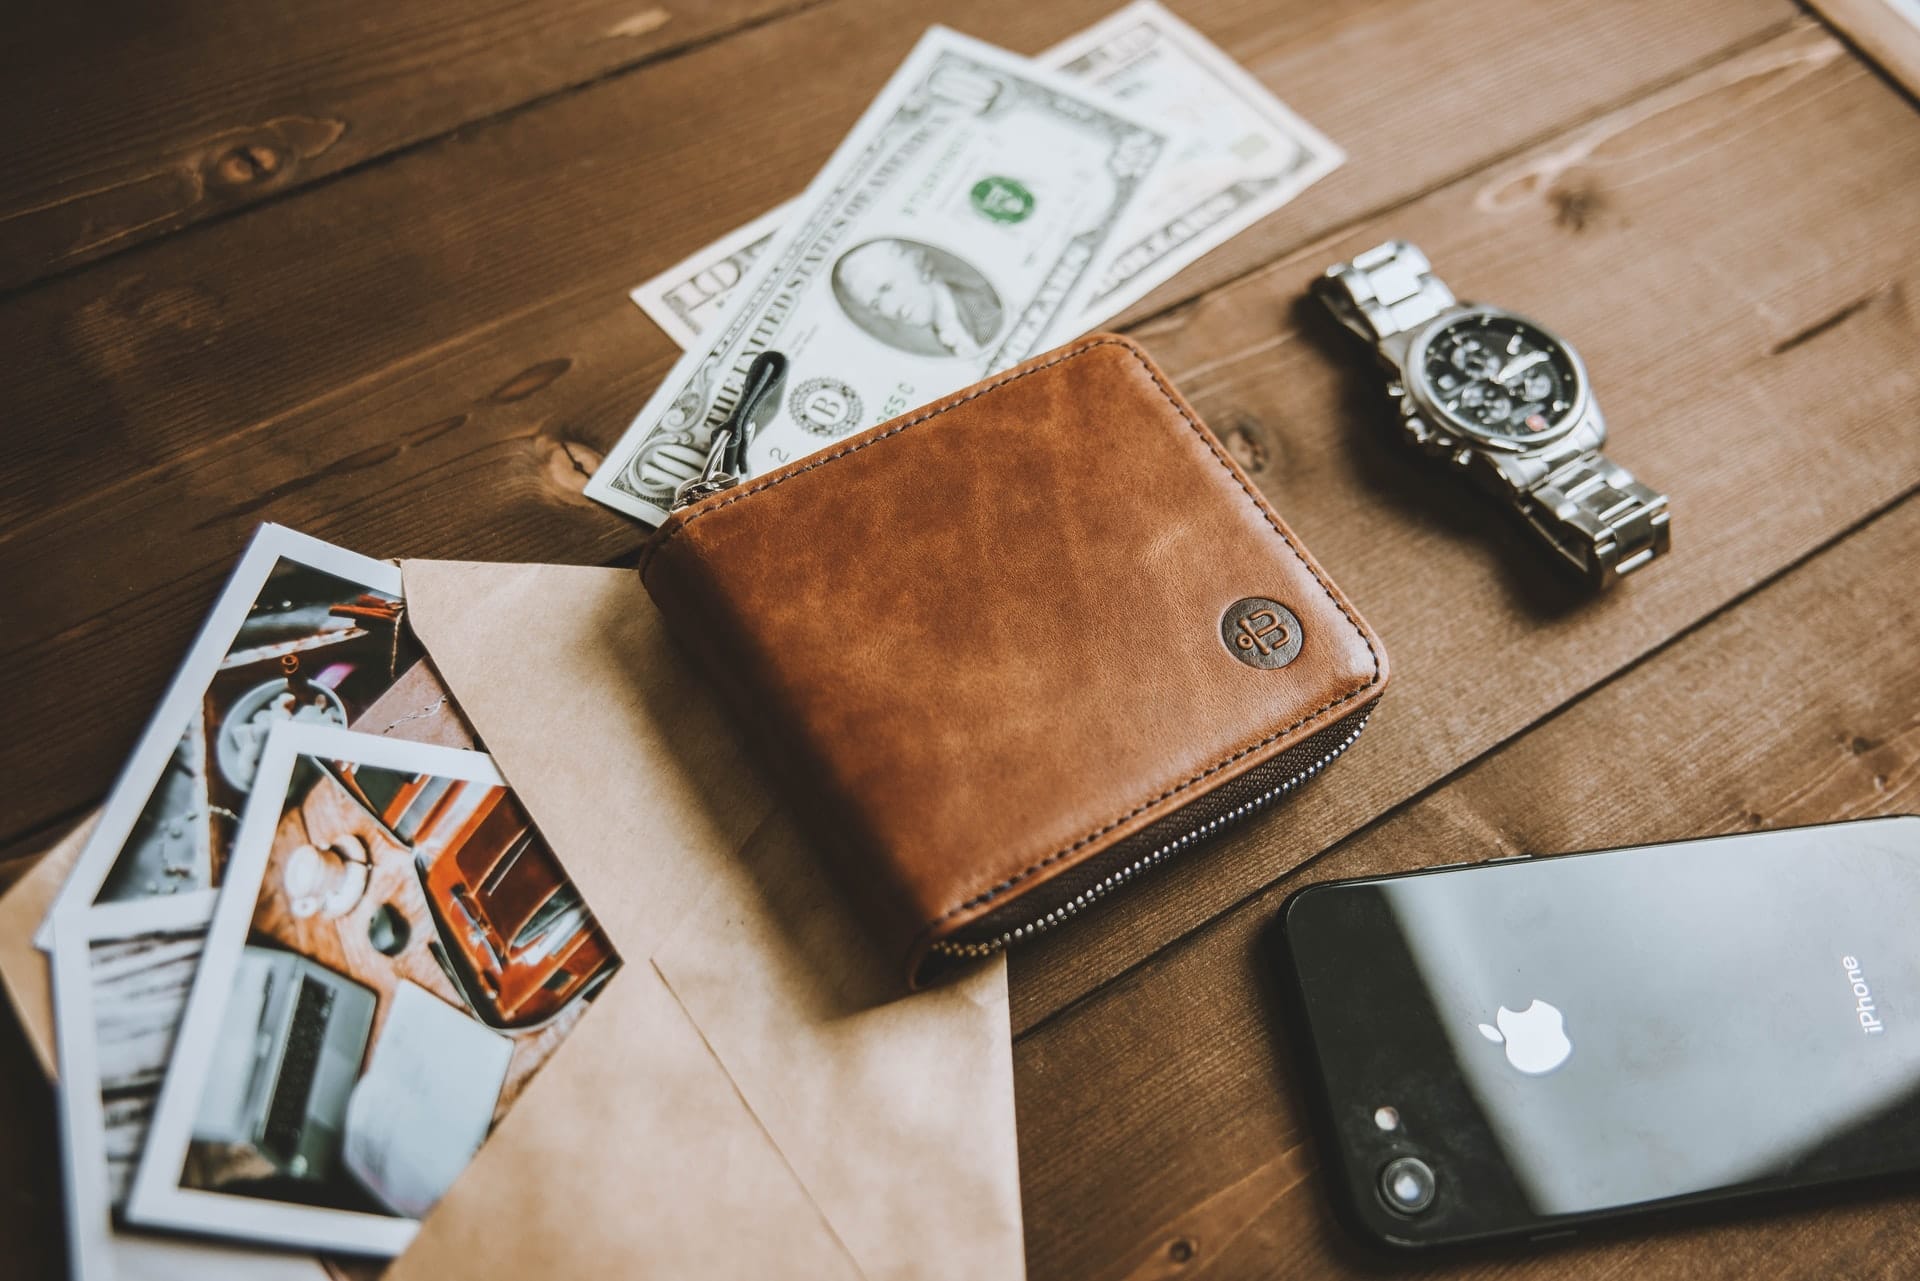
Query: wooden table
x=360, y=267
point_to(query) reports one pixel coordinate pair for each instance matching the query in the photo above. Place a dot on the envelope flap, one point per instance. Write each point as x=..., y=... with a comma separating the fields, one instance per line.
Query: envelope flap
x=624, y=763
x=632, y=1155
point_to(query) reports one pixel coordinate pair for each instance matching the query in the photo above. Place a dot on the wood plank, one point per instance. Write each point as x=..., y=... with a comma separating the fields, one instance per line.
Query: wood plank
x=1716, y=356
x=396, y=361
x=1168, y=1098
x=153, y=118
x=225, y=332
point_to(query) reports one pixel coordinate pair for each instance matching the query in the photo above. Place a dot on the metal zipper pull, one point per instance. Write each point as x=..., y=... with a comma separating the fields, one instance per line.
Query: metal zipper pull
x=726, y=463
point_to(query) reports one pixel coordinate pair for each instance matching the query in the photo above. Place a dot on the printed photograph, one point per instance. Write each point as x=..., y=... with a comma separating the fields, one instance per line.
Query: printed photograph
x=315, y=648
x=396, y=953
x=140, y=987
x=303, y=631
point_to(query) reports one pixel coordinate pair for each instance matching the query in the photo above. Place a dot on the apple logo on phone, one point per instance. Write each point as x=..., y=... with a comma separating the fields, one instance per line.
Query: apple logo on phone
x=1536, y=1037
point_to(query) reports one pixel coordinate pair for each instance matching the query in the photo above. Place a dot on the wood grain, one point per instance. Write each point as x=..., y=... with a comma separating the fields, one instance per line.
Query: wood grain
x=137, y=119
x=427, y=358
x=250, y=320
x=1166, y=1101
x=1716, y=357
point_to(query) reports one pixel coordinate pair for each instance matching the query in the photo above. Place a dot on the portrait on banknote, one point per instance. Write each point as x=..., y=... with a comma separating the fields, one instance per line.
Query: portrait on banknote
x=917, y=297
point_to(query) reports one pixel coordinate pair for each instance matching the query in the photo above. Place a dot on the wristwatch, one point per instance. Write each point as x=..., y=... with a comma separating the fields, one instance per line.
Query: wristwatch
x=1505, y=400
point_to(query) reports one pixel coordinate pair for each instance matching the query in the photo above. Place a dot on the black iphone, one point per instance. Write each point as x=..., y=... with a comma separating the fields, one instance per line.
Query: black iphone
x=1522, y=1048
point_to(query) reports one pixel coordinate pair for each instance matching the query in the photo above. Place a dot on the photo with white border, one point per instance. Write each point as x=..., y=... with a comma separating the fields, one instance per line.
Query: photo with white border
x=104, y=1112
x=303, y=630
x=395, y=952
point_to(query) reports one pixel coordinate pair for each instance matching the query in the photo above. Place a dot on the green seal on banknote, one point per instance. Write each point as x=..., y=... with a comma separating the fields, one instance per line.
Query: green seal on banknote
x=1002, y=199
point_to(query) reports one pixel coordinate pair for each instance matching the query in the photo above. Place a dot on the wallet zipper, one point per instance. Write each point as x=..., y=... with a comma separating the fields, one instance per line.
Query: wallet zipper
x=727, y=452
x=1346, y=731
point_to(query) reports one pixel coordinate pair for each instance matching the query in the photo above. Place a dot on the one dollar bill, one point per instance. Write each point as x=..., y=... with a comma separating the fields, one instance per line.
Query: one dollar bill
x=1238, y=154
x=960, y=228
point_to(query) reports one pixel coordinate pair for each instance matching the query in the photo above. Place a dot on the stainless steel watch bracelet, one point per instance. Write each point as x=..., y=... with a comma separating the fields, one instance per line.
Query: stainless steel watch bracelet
x=1590, y=510
x=1597, y=516
x=1388, y=290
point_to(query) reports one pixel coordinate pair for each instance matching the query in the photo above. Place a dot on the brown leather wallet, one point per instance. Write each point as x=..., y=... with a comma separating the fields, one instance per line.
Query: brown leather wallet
x=1010, y=650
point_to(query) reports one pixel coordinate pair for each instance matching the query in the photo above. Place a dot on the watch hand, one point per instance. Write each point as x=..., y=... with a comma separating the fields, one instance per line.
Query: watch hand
x=1519, y=364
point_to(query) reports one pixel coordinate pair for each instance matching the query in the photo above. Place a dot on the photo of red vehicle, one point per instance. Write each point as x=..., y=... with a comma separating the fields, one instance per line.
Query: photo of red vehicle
x=520, y=942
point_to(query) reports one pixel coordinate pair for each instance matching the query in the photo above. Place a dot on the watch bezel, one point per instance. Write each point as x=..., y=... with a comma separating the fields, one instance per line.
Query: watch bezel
x=1413, y=377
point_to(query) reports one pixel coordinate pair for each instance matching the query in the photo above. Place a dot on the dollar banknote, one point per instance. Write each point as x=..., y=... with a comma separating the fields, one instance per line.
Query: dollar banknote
x=960, y=228
x=1238, y=153
x=685, y=299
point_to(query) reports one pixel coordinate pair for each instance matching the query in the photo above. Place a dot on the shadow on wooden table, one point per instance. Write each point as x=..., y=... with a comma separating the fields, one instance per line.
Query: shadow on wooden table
x=30, y=1206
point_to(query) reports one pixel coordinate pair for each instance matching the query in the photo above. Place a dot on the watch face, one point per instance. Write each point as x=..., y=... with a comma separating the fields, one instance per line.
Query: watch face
x=1499, y=378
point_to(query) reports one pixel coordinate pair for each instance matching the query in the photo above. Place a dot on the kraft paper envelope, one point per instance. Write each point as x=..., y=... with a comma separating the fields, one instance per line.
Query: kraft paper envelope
x=744, y=1099
x=891, y=1119
x=23, y=967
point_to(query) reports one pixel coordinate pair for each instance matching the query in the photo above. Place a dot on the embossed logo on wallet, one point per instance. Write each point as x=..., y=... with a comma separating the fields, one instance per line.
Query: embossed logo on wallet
x=1261, y=633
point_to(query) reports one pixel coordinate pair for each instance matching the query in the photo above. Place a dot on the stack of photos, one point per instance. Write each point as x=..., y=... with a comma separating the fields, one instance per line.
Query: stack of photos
x=400, y=950
x=303, y=631
x=395, y=953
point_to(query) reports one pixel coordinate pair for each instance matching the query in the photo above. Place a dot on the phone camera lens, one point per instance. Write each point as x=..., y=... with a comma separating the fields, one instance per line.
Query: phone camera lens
x=1407, y=1184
